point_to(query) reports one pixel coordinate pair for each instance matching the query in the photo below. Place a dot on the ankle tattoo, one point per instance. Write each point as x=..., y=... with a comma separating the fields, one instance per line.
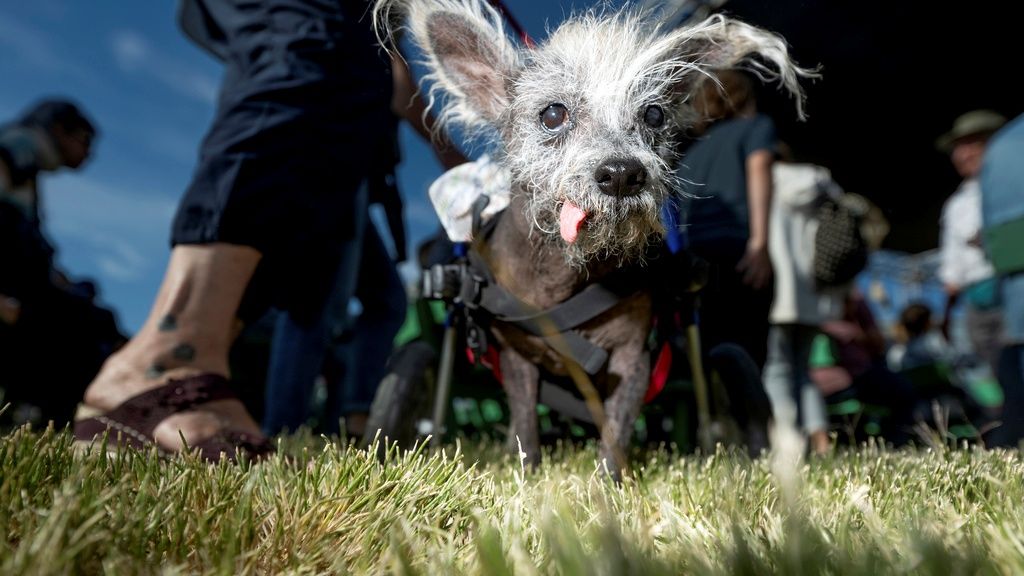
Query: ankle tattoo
x=180, y=355
x=184, y=352
x=168, y=323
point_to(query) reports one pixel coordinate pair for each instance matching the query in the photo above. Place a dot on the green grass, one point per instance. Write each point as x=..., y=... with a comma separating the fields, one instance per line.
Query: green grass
x=328, y=509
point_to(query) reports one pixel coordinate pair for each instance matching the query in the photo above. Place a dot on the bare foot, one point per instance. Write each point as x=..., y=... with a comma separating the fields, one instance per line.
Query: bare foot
x=355, y=423
x=188, y=332
x=821, y=444
x=130, y=372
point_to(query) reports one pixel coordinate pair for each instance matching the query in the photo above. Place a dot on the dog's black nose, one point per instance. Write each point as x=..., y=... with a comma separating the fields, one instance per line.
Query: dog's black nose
x=621, y=176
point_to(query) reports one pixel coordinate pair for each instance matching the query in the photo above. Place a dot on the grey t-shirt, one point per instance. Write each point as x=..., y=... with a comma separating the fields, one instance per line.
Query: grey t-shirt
x=714, y=173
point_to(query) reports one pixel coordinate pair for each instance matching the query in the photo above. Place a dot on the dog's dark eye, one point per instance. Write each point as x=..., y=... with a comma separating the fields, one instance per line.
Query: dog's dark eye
x=554, y=118
x=654, y=116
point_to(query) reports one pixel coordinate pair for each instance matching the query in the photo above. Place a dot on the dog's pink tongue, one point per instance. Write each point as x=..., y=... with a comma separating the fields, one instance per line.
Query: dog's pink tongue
x=570, y=220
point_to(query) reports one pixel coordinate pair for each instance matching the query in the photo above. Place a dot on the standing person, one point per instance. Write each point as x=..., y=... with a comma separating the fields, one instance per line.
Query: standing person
x=1002, y=190
x=964, y=269
x=45, y=316
x=798, y=308
x=271, y=214
x=359, y=349
x=727, y=176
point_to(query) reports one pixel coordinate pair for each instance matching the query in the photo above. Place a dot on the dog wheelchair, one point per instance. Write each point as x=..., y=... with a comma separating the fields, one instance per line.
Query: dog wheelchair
x=443, y=381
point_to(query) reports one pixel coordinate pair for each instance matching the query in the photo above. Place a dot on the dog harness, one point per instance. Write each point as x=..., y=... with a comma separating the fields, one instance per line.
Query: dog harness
x=485, y=300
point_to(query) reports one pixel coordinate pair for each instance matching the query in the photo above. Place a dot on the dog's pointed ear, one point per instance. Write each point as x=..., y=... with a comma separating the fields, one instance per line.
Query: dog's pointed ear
x=469, y=56
x=720, y=43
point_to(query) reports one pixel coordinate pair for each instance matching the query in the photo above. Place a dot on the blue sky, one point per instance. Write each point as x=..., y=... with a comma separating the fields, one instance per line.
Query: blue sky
x=152, y=94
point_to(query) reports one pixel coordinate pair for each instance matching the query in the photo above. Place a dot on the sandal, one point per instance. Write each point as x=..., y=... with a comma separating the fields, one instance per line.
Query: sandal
x=132, y=423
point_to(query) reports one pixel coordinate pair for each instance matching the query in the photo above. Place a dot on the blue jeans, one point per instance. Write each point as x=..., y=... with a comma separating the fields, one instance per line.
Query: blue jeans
x=362, y=351
x=795, y=399
x=298, y=349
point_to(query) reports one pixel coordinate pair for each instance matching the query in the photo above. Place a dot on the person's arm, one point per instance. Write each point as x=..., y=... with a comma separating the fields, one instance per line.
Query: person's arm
x=952, y=297
x=756, y=265
x=950, y=271
x=407, y=104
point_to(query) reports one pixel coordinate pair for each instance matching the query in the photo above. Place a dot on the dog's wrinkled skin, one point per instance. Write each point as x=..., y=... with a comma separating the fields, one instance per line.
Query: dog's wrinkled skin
x=606, y=93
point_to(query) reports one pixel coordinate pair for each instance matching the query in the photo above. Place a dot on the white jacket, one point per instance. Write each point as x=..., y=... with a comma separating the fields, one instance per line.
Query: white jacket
x=798, y=190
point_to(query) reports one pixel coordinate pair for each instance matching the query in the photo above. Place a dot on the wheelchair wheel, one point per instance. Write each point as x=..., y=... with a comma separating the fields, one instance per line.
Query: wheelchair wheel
x=403, y=397
x=747, y=400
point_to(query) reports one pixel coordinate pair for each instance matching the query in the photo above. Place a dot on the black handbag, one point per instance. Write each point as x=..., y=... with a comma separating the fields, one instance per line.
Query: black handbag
x=840, y=249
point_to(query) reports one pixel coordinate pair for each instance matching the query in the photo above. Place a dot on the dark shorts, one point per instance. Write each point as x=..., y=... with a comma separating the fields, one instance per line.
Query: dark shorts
x=301, y=121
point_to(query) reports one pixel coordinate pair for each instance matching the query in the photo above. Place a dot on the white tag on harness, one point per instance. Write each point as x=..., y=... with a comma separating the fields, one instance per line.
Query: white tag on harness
x=454, y=193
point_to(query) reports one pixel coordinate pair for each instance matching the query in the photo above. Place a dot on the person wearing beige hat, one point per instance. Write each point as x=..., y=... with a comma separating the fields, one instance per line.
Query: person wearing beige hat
x=964, y=269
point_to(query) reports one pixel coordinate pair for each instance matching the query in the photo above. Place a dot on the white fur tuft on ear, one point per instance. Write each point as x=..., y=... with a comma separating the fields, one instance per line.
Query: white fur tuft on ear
x=468, y=54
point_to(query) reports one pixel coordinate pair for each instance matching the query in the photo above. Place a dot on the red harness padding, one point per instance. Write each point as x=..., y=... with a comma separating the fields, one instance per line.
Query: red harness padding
x=659, y=372
x=489, y=360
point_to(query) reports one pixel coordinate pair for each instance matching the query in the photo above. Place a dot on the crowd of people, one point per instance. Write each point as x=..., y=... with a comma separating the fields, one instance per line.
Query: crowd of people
x=277, y=218
x=755, y=215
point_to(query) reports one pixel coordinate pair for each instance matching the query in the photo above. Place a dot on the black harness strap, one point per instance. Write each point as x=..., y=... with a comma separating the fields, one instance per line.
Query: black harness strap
x=556, y=325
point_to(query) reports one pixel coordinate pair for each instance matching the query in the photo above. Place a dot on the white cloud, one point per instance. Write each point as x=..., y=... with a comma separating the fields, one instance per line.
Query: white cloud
x=123, y=262
x=122, y=230
x=135, y=55
x=130, y=49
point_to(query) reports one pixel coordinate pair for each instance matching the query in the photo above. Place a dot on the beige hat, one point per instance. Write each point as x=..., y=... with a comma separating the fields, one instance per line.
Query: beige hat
x=969, y=124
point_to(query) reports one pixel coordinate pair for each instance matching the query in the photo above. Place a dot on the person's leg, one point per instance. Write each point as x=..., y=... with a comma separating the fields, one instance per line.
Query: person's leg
x=985, y=331
x=188, y=332
x=813, y=413
x=298, y=348
x=779, y=377
x=731, y=311
x=364, y=356
x=1011, y=364
x=883, y=387
x=1011, y=378
x=291, y=372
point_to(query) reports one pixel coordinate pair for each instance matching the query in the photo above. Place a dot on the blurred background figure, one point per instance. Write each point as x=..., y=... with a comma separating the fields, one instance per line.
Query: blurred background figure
x=848, y=361
x=799, y=307
x=964, y=269
x=939, y=374
x=917, y=344
x=726, y=174
x=1002, y=191
x=53, y=336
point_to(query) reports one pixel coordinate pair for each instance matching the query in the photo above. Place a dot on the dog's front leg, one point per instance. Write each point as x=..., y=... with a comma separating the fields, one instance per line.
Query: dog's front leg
x=522, y=379
x=629, y=365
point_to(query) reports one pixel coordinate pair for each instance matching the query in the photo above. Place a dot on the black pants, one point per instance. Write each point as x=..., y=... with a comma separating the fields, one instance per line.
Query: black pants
x=1011, y=378
x=882, y=387
x=731, y=311
x=54, y=351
